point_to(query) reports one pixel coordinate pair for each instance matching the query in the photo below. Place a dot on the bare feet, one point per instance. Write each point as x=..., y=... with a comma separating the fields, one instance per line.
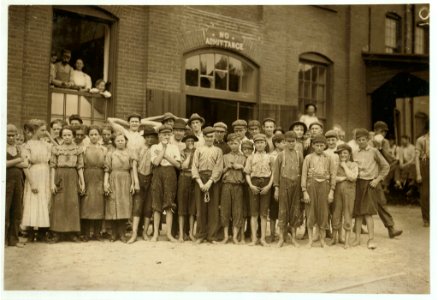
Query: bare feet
x=242, y=242
x=280, y=243
x=355, y=243
x=181, y=239
x=323, y=244
x=223, y=242
x=309, y=245
x=133, y=238
x=253, y=243
x=154, y=238
x=199, y=241
x=192, y=238
x=371, y=245
x=171, y=238
x=332, y=242
x=346, y=245
x=235, y=241
x=145, y=236
x=263, y=242
x=294, y=242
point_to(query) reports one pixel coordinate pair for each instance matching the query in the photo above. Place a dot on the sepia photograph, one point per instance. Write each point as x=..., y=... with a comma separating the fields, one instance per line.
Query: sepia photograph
x=206, y=148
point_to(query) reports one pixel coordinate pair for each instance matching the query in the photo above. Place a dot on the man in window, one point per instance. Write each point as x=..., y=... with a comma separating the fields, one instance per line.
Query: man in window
x=62, y=77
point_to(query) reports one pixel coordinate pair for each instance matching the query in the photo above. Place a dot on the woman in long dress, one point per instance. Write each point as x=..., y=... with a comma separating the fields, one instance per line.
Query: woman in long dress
x=36, y=153
x=81, y=80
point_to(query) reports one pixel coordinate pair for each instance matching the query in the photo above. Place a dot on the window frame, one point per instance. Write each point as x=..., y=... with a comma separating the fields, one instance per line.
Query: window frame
x=397, y=34
x=248, y=97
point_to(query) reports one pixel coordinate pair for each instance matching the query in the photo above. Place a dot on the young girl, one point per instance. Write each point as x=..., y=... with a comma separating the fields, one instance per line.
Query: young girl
x=120, y=183
x=67, y=165
x=345, y=194
x=93, y=202
x=100, y=88
x=36, y=153
x=14, y=188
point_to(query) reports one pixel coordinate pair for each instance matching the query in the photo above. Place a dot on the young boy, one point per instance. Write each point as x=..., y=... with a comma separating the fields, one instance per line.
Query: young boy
x=232, y=189
x=279, y=144
x=422, y=167
x=268, y=130
x=195, y=123
x=165, y=157
x=219, y=135
x=247, y=147
x=258, y=170
x=300, y=129
x=318, y=184
x=240, y=128
x=179, y=129
x=372, y=170
x=207, y=170
x=142, y=206
x=254, y=128
x=186, y=185
x=332, y=142
x=287, y=173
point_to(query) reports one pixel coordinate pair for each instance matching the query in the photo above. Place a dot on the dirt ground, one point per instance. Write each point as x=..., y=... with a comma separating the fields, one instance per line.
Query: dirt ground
x=397, y=266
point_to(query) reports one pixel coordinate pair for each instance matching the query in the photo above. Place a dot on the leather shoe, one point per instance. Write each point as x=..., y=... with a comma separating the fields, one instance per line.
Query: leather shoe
x=394, y=232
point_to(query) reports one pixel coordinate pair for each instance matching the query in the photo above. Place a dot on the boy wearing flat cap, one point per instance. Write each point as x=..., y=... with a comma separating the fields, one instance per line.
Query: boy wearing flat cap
x=186, y=185
x=179, y=129
x=219, y=135
x=232, y=189
x=345, y=194
x=254, y=128
x=318, y=183
x=166, y=159
x=195, y=123
x=240, y=128
x=287, y=175
x=142, y=199
x=207, y=170
x=268, y=130
x=258, y=170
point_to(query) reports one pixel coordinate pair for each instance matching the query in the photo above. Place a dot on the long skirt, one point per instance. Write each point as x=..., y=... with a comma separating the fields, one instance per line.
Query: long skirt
x=119, y=202
x=65, y=206
x=93, y=202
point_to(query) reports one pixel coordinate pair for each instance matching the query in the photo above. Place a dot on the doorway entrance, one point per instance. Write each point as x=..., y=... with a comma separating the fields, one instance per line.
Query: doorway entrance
x=217, y=110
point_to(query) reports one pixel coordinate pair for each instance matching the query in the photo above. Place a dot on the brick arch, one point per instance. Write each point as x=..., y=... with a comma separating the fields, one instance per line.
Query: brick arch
x=316, y=57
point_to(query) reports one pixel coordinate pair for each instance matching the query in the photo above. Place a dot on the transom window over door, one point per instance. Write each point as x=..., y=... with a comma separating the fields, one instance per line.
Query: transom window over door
x=313, y=83
x=220, y=75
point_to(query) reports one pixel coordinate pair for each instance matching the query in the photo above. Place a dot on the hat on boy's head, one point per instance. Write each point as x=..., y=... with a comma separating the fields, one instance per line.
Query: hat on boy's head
x=277, y=138
x=343, y=147
x=380, y=125
x=165, y=129
x=279, y=128
x=319, y=138
x=360, y=132
x=298, y=123
x=190, y=135
x=254, y=123
x=290, y=135
x=221, y=125
x=134, y=115
x=149, y=130
x=316, y=123
x=267, y=120
x=247, y=144
x=75, y=117
x=195, y=116
x=232, y=136
x=168, y=116
x=179, y=124
x=208, y=130
x=259, y=137
x=11, y=128
x=331, y=133
x=239, y=123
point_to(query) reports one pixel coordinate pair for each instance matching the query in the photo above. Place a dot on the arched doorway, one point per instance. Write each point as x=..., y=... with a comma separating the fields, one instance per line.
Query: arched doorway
x=220, y=86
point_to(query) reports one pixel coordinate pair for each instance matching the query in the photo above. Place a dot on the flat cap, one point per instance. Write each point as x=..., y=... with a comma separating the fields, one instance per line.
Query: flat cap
x=331, y=133
x=277, y=138
x=190, y=135
x=380, y=125
x=179, y=124
x=149, y=130
x=195, y=116
x=316, y=123
x=168, y=116
x=232, y=136
x=298, y=123
x=247, y=144
x=254, y=123
x=165, y=128
x=220, y=125
x=134, y=115
x=268, y=119
x=343, y=147
x=360, y=132
x=208, y=130
x=319, y=138
x=259, y=137
x=290, y=135
x=239, y=123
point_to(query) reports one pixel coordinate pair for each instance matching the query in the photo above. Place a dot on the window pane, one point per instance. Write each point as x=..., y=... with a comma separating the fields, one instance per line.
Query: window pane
x=320, y=93
x=248, y=79
x=220, y=80
x=57, y=103
x=192, y=70
x=235, y=74
x=207, y=64
x=221, y=62
x=307, y=90
x=321, y=75
x=85, y=108
x=206, y=82
x=100, y=105
x=71, y=105
x=307, y=71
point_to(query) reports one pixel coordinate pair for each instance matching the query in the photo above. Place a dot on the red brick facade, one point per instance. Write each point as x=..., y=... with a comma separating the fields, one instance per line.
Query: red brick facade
x=149, y=44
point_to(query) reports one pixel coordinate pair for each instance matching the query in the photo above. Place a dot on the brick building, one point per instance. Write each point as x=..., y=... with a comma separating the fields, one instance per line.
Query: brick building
x=358, y=63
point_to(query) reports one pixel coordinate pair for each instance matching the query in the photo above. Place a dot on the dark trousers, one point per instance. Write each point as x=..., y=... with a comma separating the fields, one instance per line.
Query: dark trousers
x=14, y=209
x=424, y=190
x=383, y=212
x=208, y=212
